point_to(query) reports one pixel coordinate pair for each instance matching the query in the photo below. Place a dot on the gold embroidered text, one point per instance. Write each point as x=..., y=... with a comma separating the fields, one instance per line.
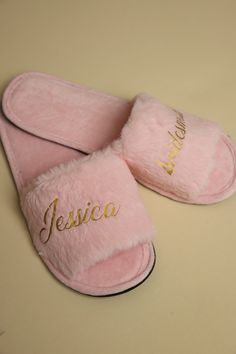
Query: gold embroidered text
x=175, y=145
x=74, y=218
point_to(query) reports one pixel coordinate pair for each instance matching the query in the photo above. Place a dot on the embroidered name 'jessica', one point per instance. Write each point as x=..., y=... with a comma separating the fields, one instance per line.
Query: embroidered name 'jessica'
x=175, y=145
x=74, y=218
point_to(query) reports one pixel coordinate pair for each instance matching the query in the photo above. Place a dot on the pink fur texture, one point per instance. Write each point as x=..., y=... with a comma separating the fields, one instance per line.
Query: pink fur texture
x=176, y=154
x=98, y=179
x=147, y=139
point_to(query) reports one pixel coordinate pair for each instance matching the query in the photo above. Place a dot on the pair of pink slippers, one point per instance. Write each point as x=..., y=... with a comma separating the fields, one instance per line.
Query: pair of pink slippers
x=84, y=213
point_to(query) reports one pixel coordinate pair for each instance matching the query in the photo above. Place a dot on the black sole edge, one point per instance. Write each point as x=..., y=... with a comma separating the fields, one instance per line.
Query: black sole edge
x=127, y=290
x=108, y=295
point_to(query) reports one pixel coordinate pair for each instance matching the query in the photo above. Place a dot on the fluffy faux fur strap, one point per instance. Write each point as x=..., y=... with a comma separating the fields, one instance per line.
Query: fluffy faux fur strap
x=169, y=149
x=84, y=212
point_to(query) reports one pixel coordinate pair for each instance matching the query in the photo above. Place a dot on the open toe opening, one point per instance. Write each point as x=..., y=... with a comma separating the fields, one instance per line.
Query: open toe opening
x=222, y=181
x=115, y=275
x=30, y=157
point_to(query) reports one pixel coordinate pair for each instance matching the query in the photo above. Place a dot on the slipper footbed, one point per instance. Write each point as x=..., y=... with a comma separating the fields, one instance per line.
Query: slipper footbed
x=86, y=119
x=30, y=156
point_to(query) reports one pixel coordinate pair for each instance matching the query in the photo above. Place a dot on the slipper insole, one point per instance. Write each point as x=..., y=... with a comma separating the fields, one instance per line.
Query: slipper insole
x=30, y=156
x=88, y=120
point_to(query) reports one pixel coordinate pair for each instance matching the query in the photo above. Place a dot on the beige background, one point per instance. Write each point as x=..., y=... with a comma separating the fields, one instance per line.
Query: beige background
x=183, y=52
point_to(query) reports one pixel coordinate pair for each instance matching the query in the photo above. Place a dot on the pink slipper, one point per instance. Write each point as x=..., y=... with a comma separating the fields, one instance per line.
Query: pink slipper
x=174, y=153
x=84, y=215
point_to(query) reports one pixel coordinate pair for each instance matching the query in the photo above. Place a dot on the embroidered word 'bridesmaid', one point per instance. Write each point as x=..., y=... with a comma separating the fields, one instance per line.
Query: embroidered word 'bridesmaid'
x=176, y=143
